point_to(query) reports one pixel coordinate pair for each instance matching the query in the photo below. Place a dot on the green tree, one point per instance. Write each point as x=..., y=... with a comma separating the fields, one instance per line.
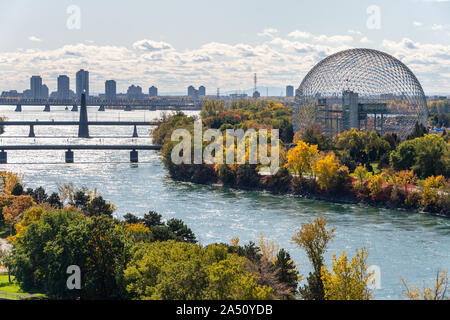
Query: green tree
x=98, y=206
x=177, y=271
x=17, y=190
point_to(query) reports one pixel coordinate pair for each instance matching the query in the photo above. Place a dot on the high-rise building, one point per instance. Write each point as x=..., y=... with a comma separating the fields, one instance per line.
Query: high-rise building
x=63, y=87
x=289, y=91
x=35, y=87
x=110, y=90
x=134, y=92
x=82, y=83
x=153, y=91
x=202, y=91
x=44, y=92
x=191, y=91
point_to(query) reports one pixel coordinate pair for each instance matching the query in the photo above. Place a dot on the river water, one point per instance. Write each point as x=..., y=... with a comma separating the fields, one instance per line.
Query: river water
x=402, y=245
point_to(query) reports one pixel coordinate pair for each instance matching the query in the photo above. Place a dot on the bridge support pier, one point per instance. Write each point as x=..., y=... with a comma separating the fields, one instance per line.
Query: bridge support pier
x=69, y=156
x=18, y=108
x=135, y=133
x=127, y=108
x=31, y=134
x=3, y=157
x=47, y=108
x=102, y=108
x=74, y=108
x=134, y=156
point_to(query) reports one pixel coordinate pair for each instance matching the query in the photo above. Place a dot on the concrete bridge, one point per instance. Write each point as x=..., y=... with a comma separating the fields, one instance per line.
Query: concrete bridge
x=134, y=157
x=83, y=132
x=32, y=124
x=158, y=103
x=83, y=124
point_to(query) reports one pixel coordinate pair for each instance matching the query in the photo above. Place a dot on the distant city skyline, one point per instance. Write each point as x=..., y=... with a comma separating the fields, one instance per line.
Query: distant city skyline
x=174, y=44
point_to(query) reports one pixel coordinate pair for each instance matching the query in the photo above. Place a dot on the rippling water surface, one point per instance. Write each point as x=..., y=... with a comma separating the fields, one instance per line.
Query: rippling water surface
x=404, y=245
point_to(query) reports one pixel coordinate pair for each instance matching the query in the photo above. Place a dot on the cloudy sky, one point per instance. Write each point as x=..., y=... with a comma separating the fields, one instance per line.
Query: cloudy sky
x=173, y=44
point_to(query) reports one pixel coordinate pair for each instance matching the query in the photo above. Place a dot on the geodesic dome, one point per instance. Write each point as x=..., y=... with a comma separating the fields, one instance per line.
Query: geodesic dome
x=360, y=88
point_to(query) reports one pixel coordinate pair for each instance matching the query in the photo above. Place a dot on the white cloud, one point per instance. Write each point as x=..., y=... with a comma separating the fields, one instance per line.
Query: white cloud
x=354, y=32
x=277, y=60
x=437, y=27
x=34, y=39
x=417, y=24
x=268, y=32
x=365, y=40
x=297, y=34
x=150, y=45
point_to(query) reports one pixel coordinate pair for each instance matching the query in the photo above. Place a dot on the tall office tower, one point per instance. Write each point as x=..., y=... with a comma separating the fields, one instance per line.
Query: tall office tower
x=289, y=91
x=35, y=86
x=192, y=91
x=44, y=92
x=63, y=87
x=110, y=90
x=82, y=83
x=134, y=92
x=153, y=91
x=202, y=91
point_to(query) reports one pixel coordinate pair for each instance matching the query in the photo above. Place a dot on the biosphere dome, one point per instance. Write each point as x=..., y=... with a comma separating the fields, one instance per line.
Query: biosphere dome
x=360, y=88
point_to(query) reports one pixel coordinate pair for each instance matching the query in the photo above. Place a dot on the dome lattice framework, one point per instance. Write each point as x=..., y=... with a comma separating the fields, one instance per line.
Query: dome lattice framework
x=360, y=88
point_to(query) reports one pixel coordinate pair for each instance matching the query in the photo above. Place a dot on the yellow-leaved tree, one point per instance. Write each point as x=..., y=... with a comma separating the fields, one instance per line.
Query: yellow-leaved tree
x=431, y=188
x=348, y=280
x=325, y=169
x=436, y=292
x=300, y=158
x=8, y=181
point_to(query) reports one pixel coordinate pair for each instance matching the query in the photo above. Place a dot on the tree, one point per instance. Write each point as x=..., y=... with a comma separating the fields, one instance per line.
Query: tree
x=300, y=158
x=17, y=190
x=181, y=231
x=313, y=237
x=428, y=155
x=326, y=169
x=362, y=175
x=375, y=186
x=432, y=156
x=8, y=181
x=431, y=192
x=152, y=219
x=60, y=238
x=347, y=280
x=287, y=271
x=418, y=132
x=436, y=292
x=181, y=271
x=80, y=199
x=39, y=195
x=98, y=206
x=14, y=211
x=55, y=201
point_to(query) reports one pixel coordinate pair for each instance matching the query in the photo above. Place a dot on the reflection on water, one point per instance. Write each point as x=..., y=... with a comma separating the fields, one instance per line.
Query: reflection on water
x=404, y=245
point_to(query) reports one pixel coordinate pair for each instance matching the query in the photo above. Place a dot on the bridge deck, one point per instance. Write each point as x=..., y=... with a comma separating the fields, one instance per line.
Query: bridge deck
x=76, y=123
x=80, y=147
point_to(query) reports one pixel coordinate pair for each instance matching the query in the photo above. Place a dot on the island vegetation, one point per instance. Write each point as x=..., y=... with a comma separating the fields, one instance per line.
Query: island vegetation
x=353, y=166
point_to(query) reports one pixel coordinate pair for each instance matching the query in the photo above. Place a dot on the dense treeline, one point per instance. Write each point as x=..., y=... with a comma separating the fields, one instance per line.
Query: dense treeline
x=133, y=258
x=353, y=165
x=148, y=258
